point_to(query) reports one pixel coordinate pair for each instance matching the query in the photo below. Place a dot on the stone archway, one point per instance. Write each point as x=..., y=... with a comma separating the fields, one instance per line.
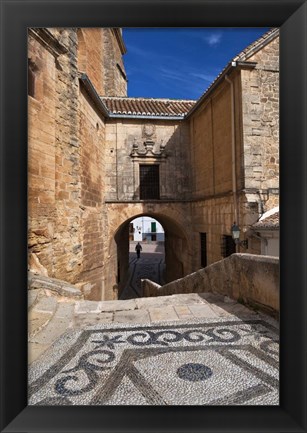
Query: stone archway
x=177, y=247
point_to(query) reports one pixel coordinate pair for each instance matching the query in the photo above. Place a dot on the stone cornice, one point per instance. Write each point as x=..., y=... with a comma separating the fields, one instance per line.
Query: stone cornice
x=46, y=38
x=118, y=34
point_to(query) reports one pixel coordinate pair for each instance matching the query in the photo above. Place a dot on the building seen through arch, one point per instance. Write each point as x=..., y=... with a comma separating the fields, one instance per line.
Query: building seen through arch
x=161, y=261
x=146, y=234
x=146, y=229
x=99, y=160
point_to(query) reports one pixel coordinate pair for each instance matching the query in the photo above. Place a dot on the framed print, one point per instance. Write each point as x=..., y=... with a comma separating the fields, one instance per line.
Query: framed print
x=148, y=161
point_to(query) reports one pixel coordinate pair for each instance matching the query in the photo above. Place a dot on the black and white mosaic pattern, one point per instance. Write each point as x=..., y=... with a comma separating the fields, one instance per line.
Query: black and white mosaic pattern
x=221, y=362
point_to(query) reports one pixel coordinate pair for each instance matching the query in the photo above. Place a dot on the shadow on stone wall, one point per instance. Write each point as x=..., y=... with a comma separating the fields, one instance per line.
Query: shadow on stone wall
x=169, y=148
x=248, y=278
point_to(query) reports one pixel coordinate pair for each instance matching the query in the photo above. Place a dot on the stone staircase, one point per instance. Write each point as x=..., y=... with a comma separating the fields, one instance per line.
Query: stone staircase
x=48, y=317
x=50, y=313
x=252, y=279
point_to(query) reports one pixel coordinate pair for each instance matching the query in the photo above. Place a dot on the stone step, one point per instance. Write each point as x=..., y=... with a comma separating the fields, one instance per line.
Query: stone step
x=59, y=287
x=56, y=325
x=162, y=308
x=51, y=316
x=33, y=296
x=40, y=314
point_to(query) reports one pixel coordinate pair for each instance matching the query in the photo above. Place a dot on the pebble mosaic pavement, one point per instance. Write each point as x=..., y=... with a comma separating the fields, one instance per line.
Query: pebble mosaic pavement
x=201, y=362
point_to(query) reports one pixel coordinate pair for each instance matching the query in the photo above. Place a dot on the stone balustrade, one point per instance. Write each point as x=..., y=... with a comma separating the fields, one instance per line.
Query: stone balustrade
x=248, y=278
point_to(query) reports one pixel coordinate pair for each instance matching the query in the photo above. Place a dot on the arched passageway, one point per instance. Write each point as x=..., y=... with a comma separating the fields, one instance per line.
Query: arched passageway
x=175, y=249
x=146, y=255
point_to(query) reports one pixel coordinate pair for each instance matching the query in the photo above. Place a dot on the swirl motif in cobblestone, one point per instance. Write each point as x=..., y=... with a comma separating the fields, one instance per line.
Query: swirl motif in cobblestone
x=135, y=365
x=163, y=338
x=89, y=368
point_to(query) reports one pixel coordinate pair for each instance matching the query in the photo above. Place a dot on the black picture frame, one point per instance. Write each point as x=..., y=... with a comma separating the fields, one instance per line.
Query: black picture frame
x=16, y=17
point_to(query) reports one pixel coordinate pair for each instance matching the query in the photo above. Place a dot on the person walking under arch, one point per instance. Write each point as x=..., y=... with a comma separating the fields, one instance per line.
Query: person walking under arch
x=138, y=249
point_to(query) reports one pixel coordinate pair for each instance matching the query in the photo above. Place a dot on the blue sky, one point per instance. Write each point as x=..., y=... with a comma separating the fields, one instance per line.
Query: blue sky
x=180, y=63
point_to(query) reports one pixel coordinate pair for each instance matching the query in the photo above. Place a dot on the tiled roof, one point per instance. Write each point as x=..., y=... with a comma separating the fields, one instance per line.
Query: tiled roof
x=269, y=220
x=176, y=108
x=147, y=106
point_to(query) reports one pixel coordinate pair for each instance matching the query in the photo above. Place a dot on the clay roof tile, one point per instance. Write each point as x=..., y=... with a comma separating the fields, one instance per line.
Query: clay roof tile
x=147, y=106
x=269, y=221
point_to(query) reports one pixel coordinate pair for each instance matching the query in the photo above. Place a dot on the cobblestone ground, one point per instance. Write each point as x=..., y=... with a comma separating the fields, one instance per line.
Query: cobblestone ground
x=189, y=349
x=150, y=265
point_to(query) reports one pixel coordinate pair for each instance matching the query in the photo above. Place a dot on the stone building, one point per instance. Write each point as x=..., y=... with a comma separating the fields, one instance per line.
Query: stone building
x=267, y=231
x=234, y=148
x=66, y=133
x=98, y=159
x=146, y=229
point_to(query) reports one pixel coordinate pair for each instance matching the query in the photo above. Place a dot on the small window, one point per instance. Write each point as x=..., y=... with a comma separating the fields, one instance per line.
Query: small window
x=153, y=227
x=149, y=182
x=228, y=246
x=203, y=249
x=121, y=71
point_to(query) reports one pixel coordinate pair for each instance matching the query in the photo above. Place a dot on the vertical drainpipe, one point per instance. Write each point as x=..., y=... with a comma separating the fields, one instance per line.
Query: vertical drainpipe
x=233, y=150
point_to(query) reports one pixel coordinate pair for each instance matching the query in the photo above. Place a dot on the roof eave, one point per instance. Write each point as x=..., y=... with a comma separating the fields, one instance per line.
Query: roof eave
x=91, y=91
x=260, y=227
x=228, y=69
x=144, y=116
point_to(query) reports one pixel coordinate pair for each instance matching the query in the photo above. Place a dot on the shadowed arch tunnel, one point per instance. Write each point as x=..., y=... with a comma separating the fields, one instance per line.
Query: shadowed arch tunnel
x=176, y=249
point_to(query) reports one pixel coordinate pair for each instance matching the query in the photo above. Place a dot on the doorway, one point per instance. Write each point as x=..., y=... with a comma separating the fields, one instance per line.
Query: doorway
x=164, y=255
x=146, y=255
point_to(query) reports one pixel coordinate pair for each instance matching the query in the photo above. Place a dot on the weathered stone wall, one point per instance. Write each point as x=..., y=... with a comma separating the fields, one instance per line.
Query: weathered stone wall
x=41, y=154
x=213, y=209
x=260, y=120
x=215, y=218
x=122, y=182
x=91, y=55
x=92, y=168
x=66, y=169
x=54, y=215
x=217, y=205
x=175, y=219
x=67, y=257
x=249, y=278
x=211, y=142
x=100, y=57
x=113, y=67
